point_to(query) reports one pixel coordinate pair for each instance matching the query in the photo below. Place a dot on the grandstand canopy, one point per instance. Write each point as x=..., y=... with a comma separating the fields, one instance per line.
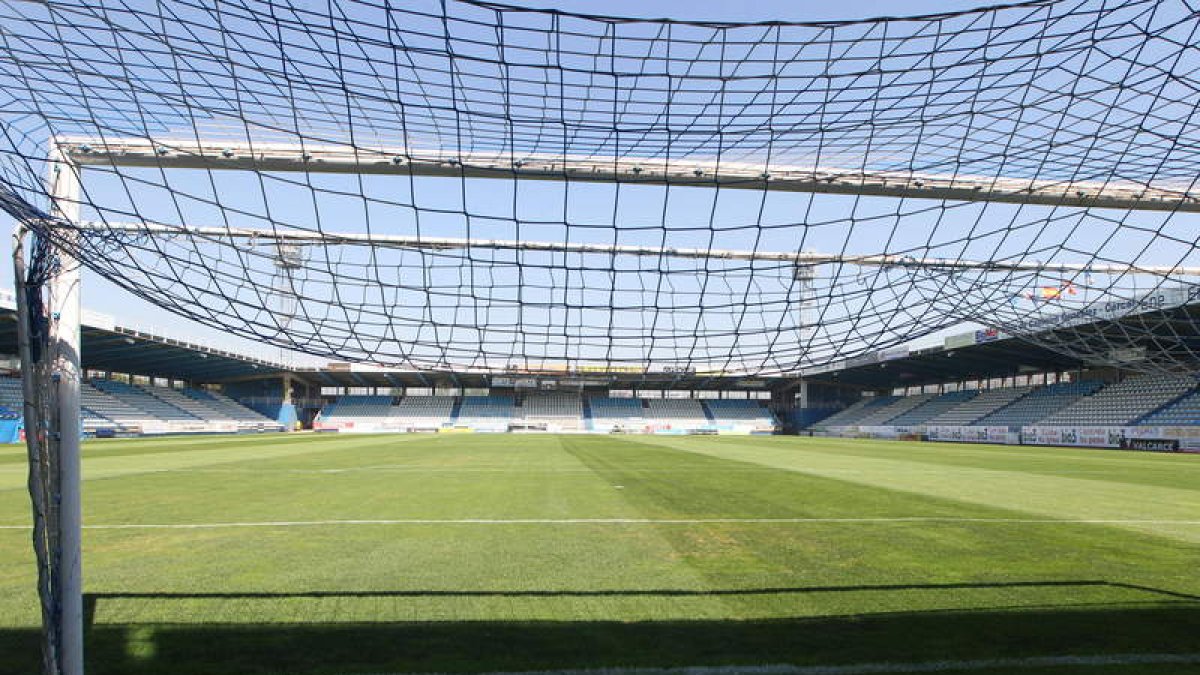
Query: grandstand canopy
x=1132, y=341
x=116, y=348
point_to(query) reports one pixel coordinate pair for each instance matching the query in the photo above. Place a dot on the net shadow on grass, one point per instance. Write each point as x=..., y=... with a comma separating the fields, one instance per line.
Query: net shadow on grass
x=92, y=599
x=1166, y=622
x=476, y=646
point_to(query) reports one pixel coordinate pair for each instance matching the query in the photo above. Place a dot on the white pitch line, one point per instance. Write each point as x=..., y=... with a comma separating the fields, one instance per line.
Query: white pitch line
x=886, y=668
x=623, y=521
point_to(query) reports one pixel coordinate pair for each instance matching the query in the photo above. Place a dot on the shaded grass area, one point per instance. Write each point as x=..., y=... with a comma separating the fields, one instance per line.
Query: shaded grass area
x=469, y=597
x=469, y=646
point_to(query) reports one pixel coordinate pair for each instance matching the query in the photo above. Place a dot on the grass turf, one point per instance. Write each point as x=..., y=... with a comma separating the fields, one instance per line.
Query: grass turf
x=982, y=569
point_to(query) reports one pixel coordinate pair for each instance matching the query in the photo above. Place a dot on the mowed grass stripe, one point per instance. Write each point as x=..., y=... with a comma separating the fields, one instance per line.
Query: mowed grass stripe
x=1065, y=497
x=898, y=520
x=740, y=553
x=146, y=445
x=258, y=494
x=1135, y=468
x=162, y=455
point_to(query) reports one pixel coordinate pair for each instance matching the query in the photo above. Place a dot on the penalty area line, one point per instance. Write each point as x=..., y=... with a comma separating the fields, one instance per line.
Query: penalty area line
x=627, y=521
x=1014, y=663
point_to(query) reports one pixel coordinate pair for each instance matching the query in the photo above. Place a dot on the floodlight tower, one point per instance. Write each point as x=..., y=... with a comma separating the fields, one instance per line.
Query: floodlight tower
x=806, y=277
x=289, y=260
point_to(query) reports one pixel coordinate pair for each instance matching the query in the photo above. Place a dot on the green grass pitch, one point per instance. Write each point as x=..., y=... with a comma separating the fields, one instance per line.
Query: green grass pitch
x=376, y=554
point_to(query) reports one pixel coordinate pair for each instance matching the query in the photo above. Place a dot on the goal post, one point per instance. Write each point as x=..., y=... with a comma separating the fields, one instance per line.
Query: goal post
x=47, y=282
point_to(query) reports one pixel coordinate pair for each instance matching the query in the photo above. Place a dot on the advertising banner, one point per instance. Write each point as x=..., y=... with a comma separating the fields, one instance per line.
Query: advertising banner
x=1151, y=444
x=998, y=435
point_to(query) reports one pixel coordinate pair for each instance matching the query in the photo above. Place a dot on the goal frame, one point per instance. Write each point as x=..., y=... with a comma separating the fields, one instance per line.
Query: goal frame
x=54, y=442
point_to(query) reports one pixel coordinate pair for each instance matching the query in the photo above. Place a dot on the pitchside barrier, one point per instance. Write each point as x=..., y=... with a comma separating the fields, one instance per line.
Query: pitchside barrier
x=1149, y=438
x=385, y=425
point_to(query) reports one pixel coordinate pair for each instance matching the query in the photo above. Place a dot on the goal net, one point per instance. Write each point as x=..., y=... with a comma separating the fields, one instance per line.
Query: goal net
x=460, y=185
x=469, y=186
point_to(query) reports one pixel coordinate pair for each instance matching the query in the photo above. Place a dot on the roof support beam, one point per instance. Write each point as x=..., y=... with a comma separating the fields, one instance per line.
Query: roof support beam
x=798, y=258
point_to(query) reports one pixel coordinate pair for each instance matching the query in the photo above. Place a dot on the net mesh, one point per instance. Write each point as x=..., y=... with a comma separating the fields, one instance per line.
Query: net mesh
x=469, y=186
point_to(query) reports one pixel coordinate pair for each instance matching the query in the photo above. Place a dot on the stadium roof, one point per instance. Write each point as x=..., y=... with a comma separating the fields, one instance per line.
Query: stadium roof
x=968, y=356
x=989, y=354
x=111, y=347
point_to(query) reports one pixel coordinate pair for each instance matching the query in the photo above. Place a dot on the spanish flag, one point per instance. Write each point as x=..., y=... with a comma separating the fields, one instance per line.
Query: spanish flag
x=1056, y=292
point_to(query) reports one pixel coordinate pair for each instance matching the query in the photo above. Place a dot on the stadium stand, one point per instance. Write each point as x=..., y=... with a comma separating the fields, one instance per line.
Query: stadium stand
x=676, y=412
x=885, y=413
x=986, y=403
x=1185, y=411
x=356, y=407
x=932, y=408
x=486, y=413
x=127, y=408
x=551, y=406
x=610, y=414
x=557, y=410
x=102, y=410
x=231, y=409
x=1122, y=403
x=423, y=412
x=194, y=407
x=354, y=411
x=143, y=400
x=736, y=412
x=1039, y=404
x=11, y=397
x=860, y=409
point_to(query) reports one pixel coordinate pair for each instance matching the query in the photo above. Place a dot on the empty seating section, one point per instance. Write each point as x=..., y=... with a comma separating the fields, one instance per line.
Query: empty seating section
x=1144, y=400
x=739, y=412
x=548, y=411
x=102, y=410
x=616, y=413
x=1039, y=404
x=885, y=413
x=1122, y=403
x=986, y=403
x=676, y=412
x=551, y=406
x=196, y=408
x=1185, y=411
x=858, y=410
x=12, y=399
x=423, y=411
x=557, y=411
x=486, y=412
x=229, y=408
x=145, y=401
x=355, y=407
x=121, y=407
x=932, y=408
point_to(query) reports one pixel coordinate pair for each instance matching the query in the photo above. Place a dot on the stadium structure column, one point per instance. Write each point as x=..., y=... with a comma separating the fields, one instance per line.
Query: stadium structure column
x=65, y=318
x=287, y=407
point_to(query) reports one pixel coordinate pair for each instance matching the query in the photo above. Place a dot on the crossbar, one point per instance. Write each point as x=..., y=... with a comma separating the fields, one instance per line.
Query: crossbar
x=324, y=158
